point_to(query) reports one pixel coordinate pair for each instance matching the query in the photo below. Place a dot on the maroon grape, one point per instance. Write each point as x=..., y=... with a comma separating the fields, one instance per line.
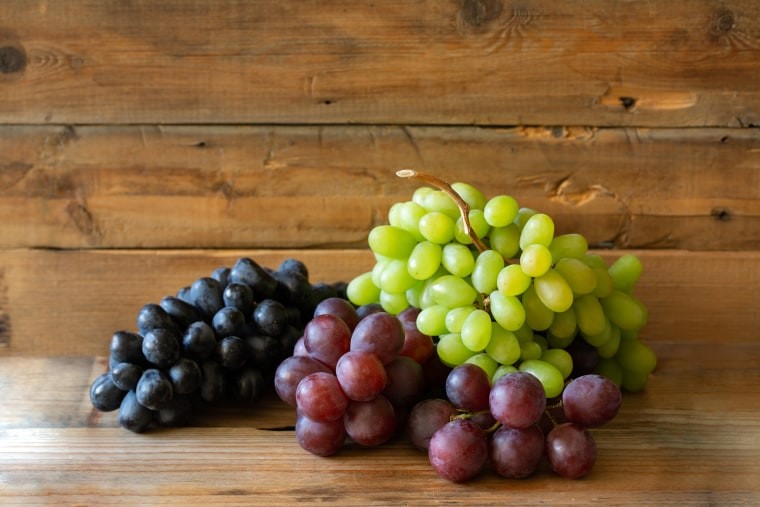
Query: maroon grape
x=361, y=375
x=340, y=308
x=381, y=334
x=320, y=398
x=571, y=450
x=468, y=387
x=327, y=337
x=591, y=400
x=290, y=372
x=517, y=400
x=516, y=452
x=459, y=450
x=370, y=423
x=406, y=382
x=320, y=438
x=427, y=417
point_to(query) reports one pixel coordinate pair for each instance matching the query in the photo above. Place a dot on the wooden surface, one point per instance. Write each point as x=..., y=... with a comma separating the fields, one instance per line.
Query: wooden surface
x=143, y=144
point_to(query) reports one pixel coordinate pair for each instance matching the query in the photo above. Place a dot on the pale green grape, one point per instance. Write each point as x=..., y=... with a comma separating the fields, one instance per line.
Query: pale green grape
x=611, y=369
x=458, y=260
x=537, y=315
x=394, y=214
x=410, y=214
x=508, y=311
x=524, y=333
x=541, y=340
x=523, y=215
x=432, y=320
x=487, y=267
x=623, y=310
x=439, y=201
x=560, y=359
x=505, y=240
x=391, y=241
x=451, y=351
x=424, y=260
x=476, y=330
x=634, y=381
x=501, y=371
x=530, y=350
x=538, y=230
x=554, y=291
x=420, y=194
x=594, y=260
x=548, y=374
x=535, y=260
x=579, y=275
x=503, y=347
x=603, y=282
x=589, y=315
x=414, y=294
x=599, y=339
x=500, y=210
x=633, y=355
x=568, y=246
x=361, y=290
x=456, y=317
x=437, y=227
x=625, y=272
x=452, y=291
x=478, y=224
x=611, y=346
x=470, y=194
x=558, y=342
x=564, y=324
x=512, y=280
x=378, y=268
x=485, y=362
x=393, y=303
x=395, y=277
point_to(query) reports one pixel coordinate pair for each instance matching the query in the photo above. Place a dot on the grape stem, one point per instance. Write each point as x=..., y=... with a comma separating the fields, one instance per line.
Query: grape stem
x=464, y=208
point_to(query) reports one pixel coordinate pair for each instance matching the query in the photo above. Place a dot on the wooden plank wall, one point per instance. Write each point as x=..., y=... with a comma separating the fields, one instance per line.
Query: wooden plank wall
x=132, y=131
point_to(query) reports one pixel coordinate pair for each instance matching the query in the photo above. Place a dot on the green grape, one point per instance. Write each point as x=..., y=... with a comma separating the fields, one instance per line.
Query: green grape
x=451, y=350
x=377, y=270
x=395, y=277
x=603, y=282
x=633, y=355
x=424, y=260
x=452, y=291
x=437, y=227
x=610, y=347
x=420, y=194
x=410, y=214
x=507, y=311
x=476, y=330
x=589, y=315
x=548, y=374
x=572, y=246
x=500, y=210
x=456, y=317
x=634, y=381
x=414, y=294
x=560, y=359
x=393, y=303
x=599, y=339
x=535, y=260
x=537, y=315
x=505, y=240
x=478, y=224
x=512, y=280
x=558, y=342
x=523, y=215
x=554, y=291
x=361, y=290
x=609, y=367
x=530, y=350
x=579, y=276
x=538, y=230
x=503, y=346
x=487, y=267
x=394, y=214
x=629, y=334
x=470, y=194
x=594, y=260
x=564, y=325
x=485, y=362
x=458, y=260
x=524, y=333
x=623, y=310
x=541, y=340
x=432, y=320
x=439, y=201
x=625, y=272
x=426, y=294
x=501, y=371
x=391, y=241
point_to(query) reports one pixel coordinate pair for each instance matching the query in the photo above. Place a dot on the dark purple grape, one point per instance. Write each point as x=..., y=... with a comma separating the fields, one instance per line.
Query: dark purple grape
x=459, y=450
x=370, y=423
x=320, y=438
x=290, y=372
x=228, y=321
x=199, y=341
x=248, y=385
x=126, y=375
x=293, y=288
x=160, y=347
x=185, y=376
x=517, y=400
x=126, y=347
x=515, y=453
x=212, y=381
x=571, y=450
x=249, y=272
x=222, y=275
x=264, y=351
x=427, y=417
x=369, y=309
x=320, y=397
x=105, y=395
x=240, y=296
x=468, y=387
x=134, y=416
x=406, y=382
x=181, y=312
x=591, y=400
x=232, y=353
x=295, y=266
x=154, y=389
x=585, y=357
x=152, y=316
x=270, y=317
x=327, y=338
x=340, y=308
x=206, y=295
x=176, y=412
x=184, y=295
x=381, y=334
x=321, y=291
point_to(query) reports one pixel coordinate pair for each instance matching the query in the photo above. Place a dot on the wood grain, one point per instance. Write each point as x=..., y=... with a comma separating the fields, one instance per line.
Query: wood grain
x=299, y=187
x=486, y=62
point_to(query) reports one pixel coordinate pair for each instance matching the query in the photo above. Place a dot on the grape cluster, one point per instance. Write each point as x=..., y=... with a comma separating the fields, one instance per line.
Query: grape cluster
x=497, y=288
x=508, y=426
x=355, y=374
x=220, y=338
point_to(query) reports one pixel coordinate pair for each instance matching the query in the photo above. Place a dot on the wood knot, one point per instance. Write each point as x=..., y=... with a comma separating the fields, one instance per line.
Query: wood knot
x=721, y=214
x=478, y=13
x=723, y=21
x=12, y=59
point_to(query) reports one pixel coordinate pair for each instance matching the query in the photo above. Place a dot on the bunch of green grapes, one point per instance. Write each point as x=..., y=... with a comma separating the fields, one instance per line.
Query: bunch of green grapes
x=499, y=289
